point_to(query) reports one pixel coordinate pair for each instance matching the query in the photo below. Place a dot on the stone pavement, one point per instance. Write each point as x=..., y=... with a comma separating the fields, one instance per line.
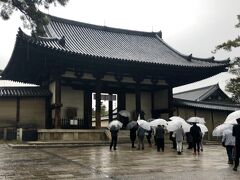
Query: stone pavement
x=124, y=163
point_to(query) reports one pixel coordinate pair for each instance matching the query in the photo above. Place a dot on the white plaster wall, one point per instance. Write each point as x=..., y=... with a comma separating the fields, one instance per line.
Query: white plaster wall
x=146, y=104
x=72, y=98
x=32, y=111
x=161, y=99
x=8, y=110
x=131, y=103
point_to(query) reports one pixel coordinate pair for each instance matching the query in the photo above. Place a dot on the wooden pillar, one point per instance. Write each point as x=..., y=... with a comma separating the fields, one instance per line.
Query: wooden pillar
x=87, y=108
x=170, y=101
x=48, y=116
x=98, y=105
x=138, y=101
x=18, y=112
x=57, y=116
x=110, y=107
x=138, y=79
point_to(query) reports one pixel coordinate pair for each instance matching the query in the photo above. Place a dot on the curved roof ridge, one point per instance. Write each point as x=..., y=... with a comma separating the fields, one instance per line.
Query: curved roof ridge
x=21, y=33
x=99, y=27
x=210, y=59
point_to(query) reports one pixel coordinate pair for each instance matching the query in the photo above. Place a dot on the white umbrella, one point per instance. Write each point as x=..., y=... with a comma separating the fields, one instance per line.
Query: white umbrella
x=203, y=128
x=124, y=113
x=115, y=124
x=196, y=120
x=218, y=131
x=157, y=122
x=178, y=118
x=231, y=118
x=176, y=124
x=131, y=124
x=144, y=124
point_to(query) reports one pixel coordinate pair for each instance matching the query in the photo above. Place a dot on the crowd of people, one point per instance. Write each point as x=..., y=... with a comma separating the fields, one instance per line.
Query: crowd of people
x=194, y=138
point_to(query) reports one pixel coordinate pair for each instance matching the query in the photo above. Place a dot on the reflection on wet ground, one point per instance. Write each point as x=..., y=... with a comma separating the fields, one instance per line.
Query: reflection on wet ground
x=124, y=163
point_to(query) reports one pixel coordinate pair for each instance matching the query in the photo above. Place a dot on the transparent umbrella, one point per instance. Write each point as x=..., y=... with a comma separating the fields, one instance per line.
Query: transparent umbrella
x=157, y=122
x=144, y=124
x=218, y=131
x=196, y=120
x=203, y=128
x=175, y=124
x=231, y=118
x=115, y=125
x=124, y=113
x=131, y=124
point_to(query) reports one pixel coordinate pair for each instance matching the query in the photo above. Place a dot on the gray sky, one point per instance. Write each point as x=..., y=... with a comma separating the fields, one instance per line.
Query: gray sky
x=189, y=26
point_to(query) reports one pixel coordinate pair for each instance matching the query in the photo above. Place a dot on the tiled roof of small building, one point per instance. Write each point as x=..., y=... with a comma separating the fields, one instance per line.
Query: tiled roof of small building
x=196, y=94
x=23, y=92
x=206, y=105
x=112, y=43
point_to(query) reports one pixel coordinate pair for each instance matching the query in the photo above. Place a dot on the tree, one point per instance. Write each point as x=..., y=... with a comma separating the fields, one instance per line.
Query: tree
x=234, y=84
x=31, y=16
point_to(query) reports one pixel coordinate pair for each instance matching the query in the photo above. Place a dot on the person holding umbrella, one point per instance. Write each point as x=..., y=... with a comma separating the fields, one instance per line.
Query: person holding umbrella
x=228, y=141
x=133, y=134
x=159, y=134
x=196, y=133
x=179, y=133
x=114, y=135
x=114, y=127
x=140, y=134
x=236, y=133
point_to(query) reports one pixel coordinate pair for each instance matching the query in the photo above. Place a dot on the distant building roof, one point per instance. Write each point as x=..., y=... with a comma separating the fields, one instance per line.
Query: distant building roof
x=206, y=105
x=23, y=92
x=9, y=83
x=196, y=94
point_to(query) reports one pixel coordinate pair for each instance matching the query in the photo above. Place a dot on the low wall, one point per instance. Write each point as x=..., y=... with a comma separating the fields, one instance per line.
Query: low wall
x=71, y=135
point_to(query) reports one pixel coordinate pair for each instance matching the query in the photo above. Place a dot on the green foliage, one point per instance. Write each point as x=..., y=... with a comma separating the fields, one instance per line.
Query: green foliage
x=104, y=112
x=234, y=85
x=230, y=43
x=31, y=16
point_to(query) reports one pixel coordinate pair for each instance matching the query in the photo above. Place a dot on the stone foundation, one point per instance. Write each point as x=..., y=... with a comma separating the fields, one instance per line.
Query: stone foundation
x=71, y=135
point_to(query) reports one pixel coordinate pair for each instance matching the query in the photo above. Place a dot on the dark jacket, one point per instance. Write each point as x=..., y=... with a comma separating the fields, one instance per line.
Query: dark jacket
x=236, y=133
x=140, y=132
x=114, y=133
x=196, y=133
x=133, y=133
x=159, y=133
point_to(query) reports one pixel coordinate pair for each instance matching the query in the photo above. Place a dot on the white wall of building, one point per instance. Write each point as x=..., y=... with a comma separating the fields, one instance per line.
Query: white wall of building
x=73, y=99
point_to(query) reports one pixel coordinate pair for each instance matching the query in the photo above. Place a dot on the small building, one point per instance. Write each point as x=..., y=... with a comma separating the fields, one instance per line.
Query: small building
x=23, y=105
x=209, y=102
x=75, y=60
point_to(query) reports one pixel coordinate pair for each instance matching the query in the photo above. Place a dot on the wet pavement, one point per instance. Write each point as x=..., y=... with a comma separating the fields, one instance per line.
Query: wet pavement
x=124, y=163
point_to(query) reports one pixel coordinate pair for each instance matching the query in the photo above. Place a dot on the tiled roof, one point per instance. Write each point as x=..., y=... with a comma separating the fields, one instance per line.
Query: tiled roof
x=23, y=92
x=114, y=44
x=206, y=105
x=197, y=94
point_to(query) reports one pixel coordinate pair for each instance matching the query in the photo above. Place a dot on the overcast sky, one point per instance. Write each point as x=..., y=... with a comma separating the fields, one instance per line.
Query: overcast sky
x=190, y=26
